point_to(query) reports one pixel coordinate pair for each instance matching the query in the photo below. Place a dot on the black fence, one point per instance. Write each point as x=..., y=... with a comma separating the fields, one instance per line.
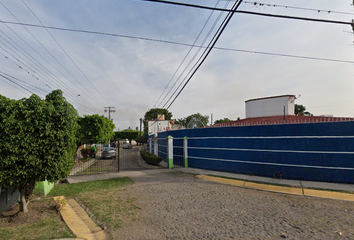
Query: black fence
x=123, y=157
x=96, y=158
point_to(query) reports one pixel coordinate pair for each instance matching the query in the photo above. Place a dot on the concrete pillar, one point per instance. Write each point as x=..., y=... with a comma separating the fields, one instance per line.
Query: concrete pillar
x=185, y=151
x=156, y=148
x=170, y=151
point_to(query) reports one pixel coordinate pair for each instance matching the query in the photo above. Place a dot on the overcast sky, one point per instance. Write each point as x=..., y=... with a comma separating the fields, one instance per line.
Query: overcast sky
x=136, y=74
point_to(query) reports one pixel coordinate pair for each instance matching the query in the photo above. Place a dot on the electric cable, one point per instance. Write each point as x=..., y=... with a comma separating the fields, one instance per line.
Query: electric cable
x=297, y=8
x=64, y=51
x=190, y=49
x=179, y=43
x=196, y=53
x=208, y=50
x=48, y=53
x=249, y=12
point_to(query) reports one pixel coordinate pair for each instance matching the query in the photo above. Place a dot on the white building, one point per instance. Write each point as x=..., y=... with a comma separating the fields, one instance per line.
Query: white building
x=159, y=125
x=270, y=106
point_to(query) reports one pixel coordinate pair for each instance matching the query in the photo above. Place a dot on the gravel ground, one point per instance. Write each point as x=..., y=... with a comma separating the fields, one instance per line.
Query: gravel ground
x=177, y=205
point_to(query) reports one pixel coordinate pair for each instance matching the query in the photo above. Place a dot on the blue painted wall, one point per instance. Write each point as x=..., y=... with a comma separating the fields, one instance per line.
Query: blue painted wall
x=307, y=151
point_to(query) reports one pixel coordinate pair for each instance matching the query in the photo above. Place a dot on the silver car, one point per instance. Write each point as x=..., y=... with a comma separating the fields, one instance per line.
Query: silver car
x=127, y=146
x=108, y=152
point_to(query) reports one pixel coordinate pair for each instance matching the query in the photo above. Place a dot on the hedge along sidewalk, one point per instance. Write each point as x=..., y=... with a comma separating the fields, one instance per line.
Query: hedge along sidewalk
x=150, y=158
x=282, y=189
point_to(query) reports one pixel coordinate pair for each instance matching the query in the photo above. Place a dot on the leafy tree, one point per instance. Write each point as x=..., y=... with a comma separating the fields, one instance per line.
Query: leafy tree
x=95, y=129
x=196, y=120
x=126, y=134
x=152, y=114
x=225, y=120
x=181, y=121
x=300, y=110
x=37, y=141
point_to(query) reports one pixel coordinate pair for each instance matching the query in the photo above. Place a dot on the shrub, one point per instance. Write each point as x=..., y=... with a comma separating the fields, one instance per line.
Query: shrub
x=85, y=152
x=150, y=158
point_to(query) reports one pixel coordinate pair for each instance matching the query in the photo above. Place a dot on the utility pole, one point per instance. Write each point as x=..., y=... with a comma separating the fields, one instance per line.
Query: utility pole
x=141, y=121
x=109, y=111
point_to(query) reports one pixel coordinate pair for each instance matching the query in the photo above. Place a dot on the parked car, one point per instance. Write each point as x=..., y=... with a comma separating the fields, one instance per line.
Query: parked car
x=127, y=146
x=108, y=152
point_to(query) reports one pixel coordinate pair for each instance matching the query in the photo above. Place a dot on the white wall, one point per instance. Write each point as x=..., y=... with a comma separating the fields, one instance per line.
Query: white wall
x=158, y=126
x=272, y=106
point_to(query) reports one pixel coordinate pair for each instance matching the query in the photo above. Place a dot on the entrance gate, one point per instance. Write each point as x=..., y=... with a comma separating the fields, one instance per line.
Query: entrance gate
x=87, y=162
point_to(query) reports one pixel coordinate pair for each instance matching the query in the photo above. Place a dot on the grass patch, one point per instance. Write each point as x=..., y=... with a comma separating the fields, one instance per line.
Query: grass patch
x=105, y=199
x=111, y=207
x=47, y=226
x=72, y=190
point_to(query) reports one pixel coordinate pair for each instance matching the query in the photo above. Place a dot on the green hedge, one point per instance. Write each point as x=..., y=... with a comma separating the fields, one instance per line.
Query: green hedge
x=150, y=158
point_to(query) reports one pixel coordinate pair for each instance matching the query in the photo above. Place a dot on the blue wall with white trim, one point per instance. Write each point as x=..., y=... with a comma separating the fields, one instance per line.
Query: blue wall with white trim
x=307, y=151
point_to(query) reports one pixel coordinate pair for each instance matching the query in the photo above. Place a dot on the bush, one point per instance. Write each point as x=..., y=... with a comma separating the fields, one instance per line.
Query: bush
x=88, y=152
x=150, y=158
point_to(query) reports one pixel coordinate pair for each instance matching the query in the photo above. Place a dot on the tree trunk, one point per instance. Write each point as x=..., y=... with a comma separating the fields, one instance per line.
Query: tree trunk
x=23, y=202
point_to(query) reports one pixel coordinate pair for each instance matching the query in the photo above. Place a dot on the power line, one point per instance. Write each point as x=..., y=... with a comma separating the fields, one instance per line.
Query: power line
x=7, y=78
x=23, y=82
x=46, y=51
x=63, y=50
x=220, y=14
x=208, y=50
x=249, y=12
x=190, y=49
x=173, y=42
x=297, y=8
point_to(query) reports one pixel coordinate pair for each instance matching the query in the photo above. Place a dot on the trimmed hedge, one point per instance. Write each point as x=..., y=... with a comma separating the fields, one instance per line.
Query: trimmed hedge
x=150, y=158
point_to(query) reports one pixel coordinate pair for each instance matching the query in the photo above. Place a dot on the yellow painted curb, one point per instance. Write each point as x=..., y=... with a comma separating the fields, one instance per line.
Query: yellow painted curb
x=329, y=194
x=274, y=188
x=79, y=222
x=222, y=180
x=282, y=189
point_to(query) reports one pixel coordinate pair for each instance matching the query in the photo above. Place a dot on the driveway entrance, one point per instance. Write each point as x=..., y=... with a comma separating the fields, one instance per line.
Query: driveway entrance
x=123, y=160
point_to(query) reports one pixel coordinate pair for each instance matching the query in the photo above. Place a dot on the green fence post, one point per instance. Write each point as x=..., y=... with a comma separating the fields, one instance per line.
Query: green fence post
x=170, y=151
x=185, y=151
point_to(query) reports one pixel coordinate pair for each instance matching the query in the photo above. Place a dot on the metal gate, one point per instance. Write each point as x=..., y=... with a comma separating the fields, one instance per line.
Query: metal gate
x=93, y=159
x=130, y=159
x=87, y=162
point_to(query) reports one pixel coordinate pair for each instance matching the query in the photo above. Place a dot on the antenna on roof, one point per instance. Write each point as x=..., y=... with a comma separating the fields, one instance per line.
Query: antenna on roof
x=296, y=98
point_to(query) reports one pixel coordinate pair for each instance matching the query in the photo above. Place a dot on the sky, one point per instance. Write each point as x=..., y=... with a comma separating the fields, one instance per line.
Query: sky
x=156, y=46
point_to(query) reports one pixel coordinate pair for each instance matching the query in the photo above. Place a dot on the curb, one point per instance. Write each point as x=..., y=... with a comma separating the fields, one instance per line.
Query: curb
x=78, y=220
x=282, y=189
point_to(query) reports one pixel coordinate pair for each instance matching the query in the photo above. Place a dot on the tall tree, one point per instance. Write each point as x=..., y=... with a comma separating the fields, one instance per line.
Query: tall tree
x=37, y=141
x=300, y=110
x=95, y=129
x=152, y=114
